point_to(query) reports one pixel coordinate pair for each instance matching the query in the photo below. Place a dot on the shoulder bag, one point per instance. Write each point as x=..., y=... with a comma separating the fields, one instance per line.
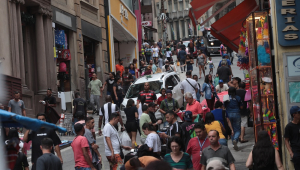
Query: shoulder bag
x=121, y=150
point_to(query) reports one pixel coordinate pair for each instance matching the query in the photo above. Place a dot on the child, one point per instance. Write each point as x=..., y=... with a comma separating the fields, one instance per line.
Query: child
x=211, y=66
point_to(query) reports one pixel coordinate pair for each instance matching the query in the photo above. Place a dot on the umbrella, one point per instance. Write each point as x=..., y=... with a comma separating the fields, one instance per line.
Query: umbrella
x=9, y=119
x=220, y=95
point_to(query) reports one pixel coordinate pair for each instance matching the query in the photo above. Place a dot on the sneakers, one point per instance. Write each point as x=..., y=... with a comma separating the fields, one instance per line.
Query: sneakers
x=235, y=147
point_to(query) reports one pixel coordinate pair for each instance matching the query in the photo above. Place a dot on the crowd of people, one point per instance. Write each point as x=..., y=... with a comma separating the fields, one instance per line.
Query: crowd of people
x=199, y=141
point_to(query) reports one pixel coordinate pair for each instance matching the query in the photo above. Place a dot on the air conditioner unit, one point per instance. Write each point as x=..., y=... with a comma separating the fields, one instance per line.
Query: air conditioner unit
x=179, y=0
x=186, y=9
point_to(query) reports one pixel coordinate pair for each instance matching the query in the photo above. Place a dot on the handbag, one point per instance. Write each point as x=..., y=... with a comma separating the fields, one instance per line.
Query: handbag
x=178, y=63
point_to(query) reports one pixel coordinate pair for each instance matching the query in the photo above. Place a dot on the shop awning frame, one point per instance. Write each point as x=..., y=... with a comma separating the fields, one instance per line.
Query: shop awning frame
x=124, y=31
x=227, y=28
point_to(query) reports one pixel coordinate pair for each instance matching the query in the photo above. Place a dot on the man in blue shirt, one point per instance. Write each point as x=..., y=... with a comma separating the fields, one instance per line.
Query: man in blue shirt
x=181, y=57
x=159, y=43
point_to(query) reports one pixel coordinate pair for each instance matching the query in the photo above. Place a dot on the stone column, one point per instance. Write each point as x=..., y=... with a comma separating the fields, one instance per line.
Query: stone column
x=14, y=38
x=21, y=50
x=40, y=53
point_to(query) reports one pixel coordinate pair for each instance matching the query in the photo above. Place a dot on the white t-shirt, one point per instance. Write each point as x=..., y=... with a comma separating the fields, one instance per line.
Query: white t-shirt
x=153, y=141
x=224, y=88
x=168, y=53
x=188, y=88
x=114, y=108
x=110, y=131
x=155, y=51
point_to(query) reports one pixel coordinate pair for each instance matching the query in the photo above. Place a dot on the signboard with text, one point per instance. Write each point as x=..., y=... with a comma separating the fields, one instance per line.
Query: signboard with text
x=293, y=65
x=147, y=23
x=288, y=22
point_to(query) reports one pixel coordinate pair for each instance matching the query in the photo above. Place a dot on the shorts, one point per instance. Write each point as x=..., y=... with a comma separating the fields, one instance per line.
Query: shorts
x=211, y=66
x=244, y=122
x=131, y=127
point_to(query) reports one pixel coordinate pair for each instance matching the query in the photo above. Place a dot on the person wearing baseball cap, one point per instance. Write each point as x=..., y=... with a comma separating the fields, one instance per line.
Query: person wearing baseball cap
x=292, y=136
x=187, y=128
x=151, y=113
x=221, y=87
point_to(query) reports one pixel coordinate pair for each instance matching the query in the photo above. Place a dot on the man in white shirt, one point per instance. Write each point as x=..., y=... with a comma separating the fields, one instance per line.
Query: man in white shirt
x=221, y=87
x=189, y=85
x=112, y=142
x=106, y=110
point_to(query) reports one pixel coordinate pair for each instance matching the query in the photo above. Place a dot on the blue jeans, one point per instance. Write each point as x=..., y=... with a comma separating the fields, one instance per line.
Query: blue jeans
x=223, y=142
x=82, y=168
x=73, y=123
x=235, y=119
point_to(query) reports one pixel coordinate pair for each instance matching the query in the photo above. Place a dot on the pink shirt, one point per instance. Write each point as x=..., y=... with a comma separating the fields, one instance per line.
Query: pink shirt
x=195, y=107
x=78, y=143
x=82, y=122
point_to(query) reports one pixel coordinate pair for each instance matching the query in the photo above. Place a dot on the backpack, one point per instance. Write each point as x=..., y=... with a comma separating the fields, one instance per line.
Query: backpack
x=224, y=60
x=109, y=112
x=167, y=103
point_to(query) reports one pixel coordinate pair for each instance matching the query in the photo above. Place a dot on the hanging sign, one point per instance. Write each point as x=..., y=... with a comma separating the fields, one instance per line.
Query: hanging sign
x=288, y=22
x=147, y=23
x=123, y=12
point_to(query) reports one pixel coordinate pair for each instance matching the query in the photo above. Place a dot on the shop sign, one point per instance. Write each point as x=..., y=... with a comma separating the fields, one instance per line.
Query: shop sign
x=123, y=12
x=293, y=65
x=288, y=22
x=147, y=23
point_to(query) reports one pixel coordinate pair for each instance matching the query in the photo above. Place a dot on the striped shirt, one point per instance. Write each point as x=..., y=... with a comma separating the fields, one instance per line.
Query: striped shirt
x=184, y=163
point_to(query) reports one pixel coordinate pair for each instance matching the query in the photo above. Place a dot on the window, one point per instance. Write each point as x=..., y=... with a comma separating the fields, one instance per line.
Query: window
x=183, y=28
x=178, y=79
x=171, y=81
x=135, y=89
x=175, y=5
x=177, y=30
x=157, y=9
x=170, y=6
x=187, y=3
x=180, y=5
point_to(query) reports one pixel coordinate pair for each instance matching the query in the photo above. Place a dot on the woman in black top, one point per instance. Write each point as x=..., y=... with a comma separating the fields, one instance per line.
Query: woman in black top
x=131, y=126
x=118, y=91
x=264, y=156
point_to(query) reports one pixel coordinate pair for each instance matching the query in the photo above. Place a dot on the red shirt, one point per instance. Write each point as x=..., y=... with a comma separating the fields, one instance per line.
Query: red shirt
x=120, y=68
x=160, y=99
x=193, y=149
x=195, y=107
x=150, y=96
x=78, y=143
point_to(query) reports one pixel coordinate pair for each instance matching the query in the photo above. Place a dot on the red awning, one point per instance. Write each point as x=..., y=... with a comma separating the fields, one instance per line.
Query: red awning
x=227, y=28
x=199, y=7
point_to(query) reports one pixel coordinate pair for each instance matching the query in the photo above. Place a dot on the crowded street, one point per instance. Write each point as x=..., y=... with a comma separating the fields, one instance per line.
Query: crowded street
x=149, y=85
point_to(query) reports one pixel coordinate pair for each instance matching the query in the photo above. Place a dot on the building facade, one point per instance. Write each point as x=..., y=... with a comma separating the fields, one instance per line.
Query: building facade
x=53, y=44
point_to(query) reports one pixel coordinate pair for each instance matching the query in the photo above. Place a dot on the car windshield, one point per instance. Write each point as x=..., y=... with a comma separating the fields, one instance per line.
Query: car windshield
x=186, y=43
x=135, y=89
x=210, y=35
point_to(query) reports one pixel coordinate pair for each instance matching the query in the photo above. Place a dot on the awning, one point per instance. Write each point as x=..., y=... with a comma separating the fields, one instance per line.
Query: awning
x=150, y=29
x=8, y=119
x=227, y=28
x=199, y=8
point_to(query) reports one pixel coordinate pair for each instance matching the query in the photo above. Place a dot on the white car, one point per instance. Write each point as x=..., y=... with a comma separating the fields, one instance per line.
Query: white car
x=167, y=80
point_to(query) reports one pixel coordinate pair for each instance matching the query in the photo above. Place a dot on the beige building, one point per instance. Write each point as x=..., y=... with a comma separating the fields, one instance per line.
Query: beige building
x=39, y=35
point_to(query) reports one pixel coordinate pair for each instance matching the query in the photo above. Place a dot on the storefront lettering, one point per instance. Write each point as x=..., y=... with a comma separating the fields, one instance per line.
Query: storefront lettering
x=290, y=19
x=123, y=12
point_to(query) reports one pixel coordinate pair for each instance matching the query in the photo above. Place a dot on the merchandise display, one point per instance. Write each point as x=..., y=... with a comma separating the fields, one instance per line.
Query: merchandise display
x=261, y=77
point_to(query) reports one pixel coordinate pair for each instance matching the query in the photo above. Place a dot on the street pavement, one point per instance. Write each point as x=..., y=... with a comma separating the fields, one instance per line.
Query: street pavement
x=240, y=156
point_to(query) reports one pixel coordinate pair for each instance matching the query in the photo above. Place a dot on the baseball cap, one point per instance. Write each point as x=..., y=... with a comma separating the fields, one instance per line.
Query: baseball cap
x=188, y=116
x=78, y=127
x=169, y=91
x=221, y=81
x=294, y=109
x=224, y=55
x=151, y=104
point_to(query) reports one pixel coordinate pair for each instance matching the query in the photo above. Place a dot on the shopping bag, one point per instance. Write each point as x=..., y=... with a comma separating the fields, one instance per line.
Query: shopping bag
x=216, y=81
x=197, y=119
x=178, y=63
x=247, y=95
x=125, y=139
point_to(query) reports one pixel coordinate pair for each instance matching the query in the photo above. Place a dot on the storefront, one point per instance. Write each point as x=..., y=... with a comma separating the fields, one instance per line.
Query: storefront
x=286, y=25
x=123, y=35
x=64, y=25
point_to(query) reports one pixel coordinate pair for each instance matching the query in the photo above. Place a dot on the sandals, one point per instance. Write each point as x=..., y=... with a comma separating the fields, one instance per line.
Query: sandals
x=243, y=141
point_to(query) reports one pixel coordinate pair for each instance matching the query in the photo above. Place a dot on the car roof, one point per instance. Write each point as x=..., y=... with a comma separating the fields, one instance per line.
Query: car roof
x=154, y=77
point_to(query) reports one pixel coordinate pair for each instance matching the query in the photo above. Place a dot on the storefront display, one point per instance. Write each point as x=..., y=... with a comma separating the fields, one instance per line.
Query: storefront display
x=261, y=77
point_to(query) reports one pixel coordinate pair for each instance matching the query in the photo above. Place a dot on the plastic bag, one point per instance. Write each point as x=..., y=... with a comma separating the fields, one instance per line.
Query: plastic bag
x=125, y=139
x=216, y=81
x=197, y=119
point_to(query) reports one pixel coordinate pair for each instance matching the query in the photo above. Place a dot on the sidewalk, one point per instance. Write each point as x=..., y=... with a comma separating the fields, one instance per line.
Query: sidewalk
x=241, y=156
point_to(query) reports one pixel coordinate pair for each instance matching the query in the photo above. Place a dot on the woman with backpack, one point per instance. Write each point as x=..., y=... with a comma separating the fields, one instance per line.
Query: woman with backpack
x=233, y=107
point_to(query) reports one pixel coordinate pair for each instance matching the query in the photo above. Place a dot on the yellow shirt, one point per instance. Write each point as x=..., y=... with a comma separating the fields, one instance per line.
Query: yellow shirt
x=215, y=125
